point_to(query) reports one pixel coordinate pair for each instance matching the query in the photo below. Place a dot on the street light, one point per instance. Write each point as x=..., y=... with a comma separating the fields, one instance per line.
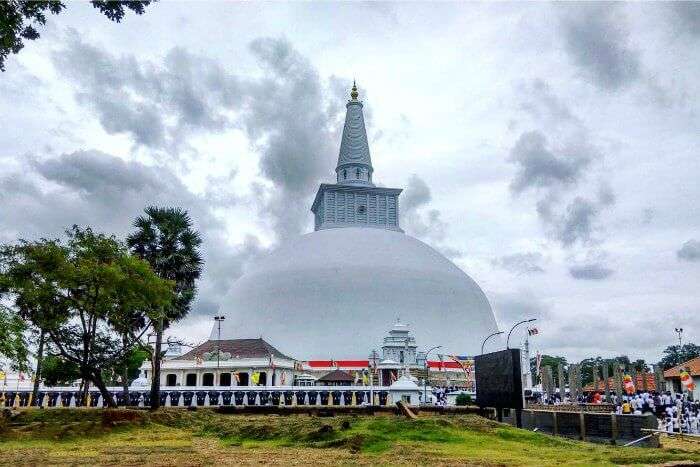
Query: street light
x=425, y=381
x=487, y=338
x=680, y=338
x=218, y=320
x=516, y=325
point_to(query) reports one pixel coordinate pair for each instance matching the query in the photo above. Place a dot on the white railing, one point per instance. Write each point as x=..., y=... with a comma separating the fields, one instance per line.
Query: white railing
x=182, y=396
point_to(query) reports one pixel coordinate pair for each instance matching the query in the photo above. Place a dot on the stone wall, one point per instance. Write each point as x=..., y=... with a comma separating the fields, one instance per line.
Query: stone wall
x=600, y=408
x=590, y=426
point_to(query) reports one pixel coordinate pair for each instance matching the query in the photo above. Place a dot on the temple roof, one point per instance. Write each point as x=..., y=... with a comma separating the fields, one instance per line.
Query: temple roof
x=692, y=365
x=354, y=148
x=243, y=348
x=336, y=375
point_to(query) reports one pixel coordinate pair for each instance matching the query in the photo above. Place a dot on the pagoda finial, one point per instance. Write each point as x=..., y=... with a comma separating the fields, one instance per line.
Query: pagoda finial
x=354, y=93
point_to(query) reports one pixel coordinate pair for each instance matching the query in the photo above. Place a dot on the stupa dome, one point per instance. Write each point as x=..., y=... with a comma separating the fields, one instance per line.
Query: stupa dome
x=332, y=293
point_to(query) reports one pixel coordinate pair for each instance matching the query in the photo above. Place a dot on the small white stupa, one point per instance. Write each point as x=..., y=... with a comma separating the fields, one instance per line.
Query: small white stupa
x=405, y=389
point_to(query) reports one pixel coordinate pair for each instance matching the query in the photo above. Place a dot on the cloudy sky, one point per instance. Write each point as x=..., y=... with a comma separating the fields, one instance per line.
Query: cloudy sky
x=551, y=151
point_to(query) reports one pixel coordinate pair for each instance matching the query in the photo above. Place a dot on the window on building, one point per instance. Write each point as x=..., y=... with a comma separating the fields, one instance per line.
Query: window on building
x=361, y=209
x=208, y=379
x=345, y=174
x=171, y=379
x=243, y=379
x=401, y=356
x=263, y=379
x=191, y=379
x=357, y=173
x=225, y=379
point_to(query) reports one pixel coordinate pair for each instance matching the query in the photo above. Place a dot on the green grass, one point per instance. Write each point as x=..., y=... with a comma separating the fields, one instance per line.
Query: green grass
x=173, y=436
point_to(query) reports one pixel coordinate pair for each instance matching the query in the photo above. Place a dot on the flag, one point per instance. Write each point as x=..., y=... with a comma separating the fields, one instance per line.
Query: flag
x=334, y=364
x=357, y=378
x=532, y=331
x=538, y=361
x=255, y=378
x=461, y=364
x=365, y=378
x=687, y=381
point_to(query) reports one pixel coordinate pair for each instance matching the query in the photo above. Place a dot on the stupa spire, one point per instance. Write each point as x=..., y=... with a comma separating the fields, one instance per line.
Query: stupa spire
x=354, y=162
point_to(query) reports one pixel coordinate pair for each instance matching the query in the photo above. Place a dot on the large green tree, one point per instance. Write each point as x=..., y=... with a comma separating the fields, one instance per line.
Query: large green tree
x=58, y=371
x=19, y=19
x=165, y=237
x=74, y=289
x=675, y=355
x=13, y=344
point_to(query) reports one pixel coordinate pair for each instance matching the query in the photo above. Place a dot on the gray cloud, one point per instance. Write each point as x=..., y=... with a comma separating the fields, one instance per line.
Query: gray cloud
x=538, y=166
x=687, y=15
x=294, y=130
x=540, y=102
x=520, y=263
x=158, y=105
x=418, y=220
x=555, y=167
x=416, y=194
x=596, y=40
x=283, y=112
x=94, y=188
x=512, y=307
x=577, y=223
x=690, y=251
x=591, y=271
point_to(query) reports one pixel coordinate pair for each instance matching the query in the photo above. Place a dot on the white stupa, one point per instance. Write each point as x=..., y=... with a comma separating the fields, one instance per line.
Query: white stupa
x=333, y=291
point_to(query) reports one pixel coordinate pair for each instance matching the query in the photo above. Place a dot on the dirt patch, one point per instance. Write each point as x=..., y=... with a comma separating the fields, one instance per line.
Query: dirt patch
x=114, y=417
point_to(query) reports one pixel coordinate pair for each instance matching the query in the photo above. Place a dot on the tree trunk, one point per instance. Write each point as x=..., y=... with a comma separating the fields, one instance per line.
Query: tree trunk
x=96, y=378
x=125, y=370
x=155, y=377
x=37, y=373
x=86, y=391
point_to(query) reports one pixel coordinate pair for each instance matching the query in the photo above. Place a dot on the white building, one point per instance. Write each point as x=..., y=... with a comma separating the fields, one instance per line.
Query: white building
x=240, y=362
x=400, y=346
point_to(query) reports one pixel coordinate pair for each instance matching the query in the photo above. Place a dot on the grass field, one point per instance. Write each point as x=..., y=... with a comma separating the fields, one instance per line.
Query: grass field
x=180, y=437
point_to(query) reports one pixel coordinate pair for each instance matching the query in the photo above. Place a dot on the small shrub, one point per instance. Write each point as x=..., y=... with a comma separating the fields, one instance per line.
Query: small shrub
x=463, y=399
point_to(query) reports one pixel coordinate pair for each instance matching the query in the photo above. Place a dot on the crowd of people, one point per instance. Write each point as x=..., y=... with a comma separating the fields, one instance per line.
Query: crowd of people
x=676, y=412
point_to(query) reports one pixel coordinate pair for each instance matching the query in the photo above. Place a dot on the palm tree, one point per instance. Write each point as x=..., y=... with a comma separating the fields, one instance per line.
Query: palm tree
x=165, y=238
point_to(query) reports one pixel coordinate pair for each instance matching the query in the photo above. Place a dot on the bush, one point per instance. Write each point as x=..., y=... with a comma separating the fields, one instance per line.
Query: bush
x=463, y=399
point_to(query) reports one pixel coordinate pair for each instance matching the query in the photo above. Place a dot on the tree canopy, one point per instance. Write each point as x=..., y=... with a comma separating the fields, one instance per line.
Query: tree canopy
x=73, y=290
x=13, y=345
x=19, y=19
x=675, y=355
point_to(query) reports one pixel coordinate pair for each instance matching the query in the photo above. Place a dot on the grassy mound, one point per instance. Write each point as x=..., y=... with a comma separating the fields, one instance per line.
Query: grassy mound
x=180, y=437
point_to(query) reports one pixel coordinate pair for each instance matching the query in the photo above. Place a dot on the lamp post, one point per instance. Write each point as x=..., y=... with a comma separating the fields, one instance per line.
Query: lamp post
x=373, y=363
x=425, y=381
x=218, y=320
x=487, y=338
x=516, y=325
x=679, y=331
